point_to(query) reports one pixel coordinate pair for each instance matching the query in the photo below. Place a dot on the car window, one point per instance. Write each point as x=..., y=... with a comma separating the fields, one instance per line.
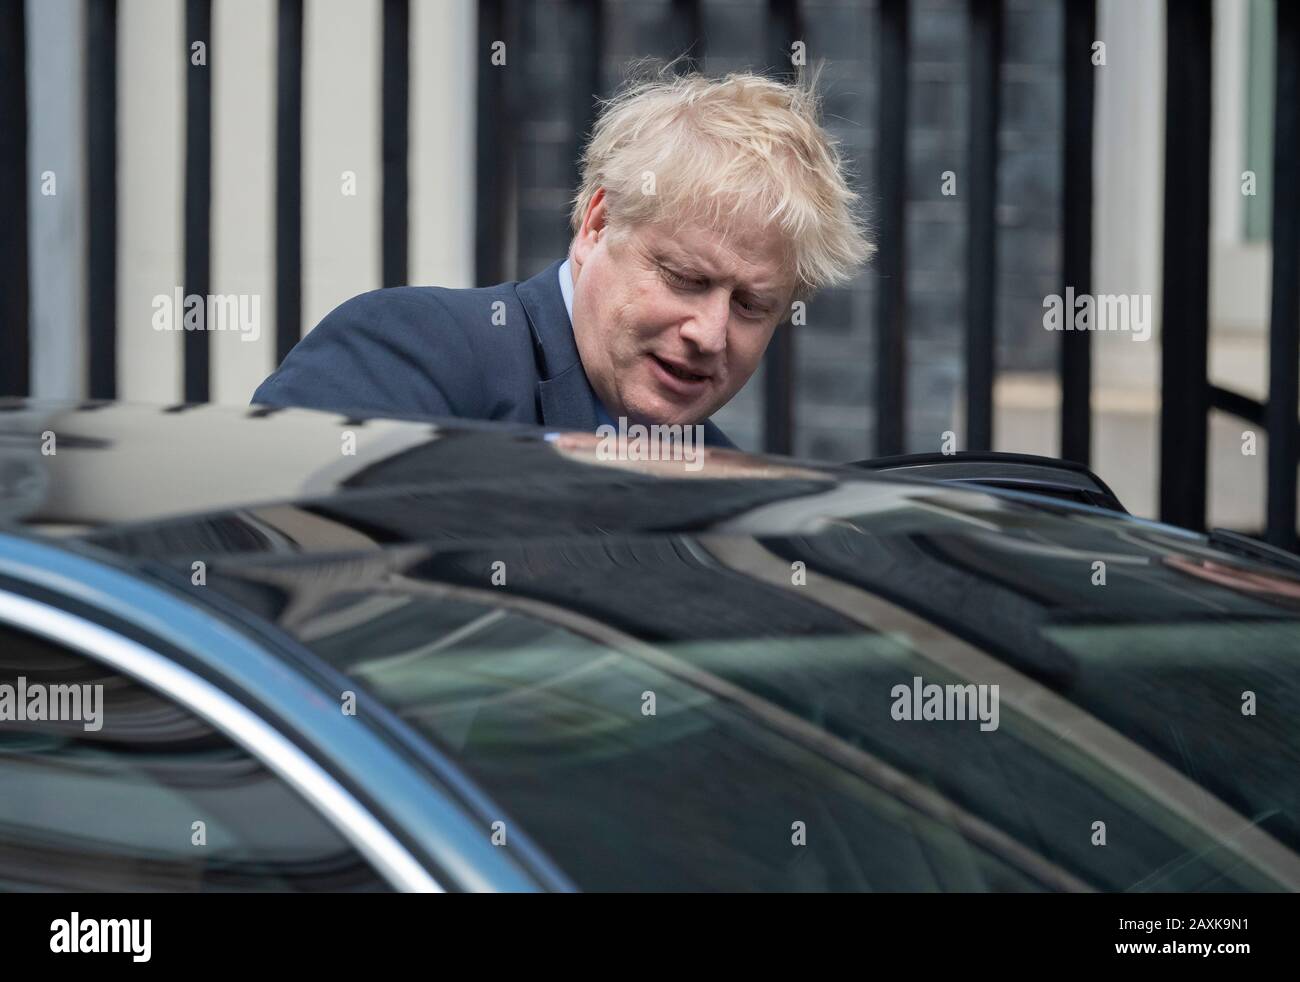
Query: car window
x=769, y=764
x=137, y=793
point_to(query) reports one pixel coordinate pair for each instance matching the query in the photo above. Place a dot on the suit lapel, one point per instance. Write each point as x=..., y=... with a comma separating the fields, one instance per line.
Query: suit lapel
x=563, y=392
x=567, y=400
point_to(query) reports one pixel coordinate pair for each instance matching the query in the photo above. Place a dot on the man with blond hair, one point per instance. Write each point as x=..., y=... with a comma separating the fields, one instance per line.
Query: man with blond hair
x=707, y=207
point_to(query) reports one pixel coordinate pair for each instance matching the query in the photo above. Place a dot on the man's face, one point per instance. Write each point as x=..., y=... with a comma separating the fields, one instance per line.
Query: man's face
x=652, y=304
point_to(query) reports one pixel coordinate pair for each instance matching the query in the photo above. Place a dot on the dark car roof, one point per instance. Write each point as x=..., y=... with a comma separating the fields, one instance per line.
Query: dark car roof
x=153, y=481
x=117, y=465
x=157, y=481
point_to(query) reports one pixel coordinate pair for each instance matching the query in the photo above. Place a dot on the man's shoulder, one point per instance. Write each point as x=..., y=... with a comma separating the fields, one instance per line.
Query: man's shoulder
x=413, y=349
x=462, y=309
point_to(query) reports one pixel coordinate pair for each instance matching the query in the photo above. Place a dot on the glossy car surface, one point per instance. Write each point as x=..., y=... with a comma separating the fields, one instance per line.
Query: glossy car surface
x=373, y=654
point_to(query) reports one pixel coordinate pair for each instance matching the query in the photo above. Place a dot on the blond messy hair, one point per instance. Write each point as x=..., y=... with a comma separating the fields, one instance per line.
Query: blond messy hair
x=743, y=146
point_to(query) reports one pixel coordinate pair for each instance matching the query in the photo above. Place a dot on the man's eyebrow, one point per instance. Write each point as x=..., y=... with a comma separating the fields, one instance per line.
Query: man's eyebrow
x=767, y=296
x=668, y=257
x=764, y=301
x=764, y=294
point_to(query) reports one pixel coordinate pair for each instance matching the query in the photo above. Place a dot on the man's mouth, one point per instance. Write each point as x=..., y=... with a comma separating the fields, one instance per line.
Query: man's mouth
x=678, y=372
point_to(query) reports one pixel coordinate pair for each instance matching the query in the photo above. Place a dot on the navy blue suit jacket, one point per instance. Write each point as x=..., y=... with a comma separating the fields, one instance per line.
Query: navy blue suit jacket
x=430, y=351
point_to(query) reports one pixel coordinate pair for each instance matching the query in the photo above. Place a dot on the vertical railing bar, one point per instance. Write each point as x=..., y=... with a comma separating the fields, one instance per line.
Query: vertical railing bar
x=1076, y=225
x=198, y=194
x=15, y=286
x=494, y=138
x=1184, y=344
x=288, y=177
x=586, y=46
x=891, y=258
x=779, y=361
x=1284, y=317
x=981, y=264
x=101, y=198
x=395, y=112
x=688, y=22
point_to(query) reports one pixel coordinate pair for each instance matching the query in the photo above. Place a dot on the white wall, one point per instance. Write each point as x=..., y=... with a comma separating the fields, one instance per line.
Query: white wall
x=341, y=132
x=443, y=84
x=243, y=66
x=1128, y=194
x=56, y=135
x=151, y=59
x=1128, y=216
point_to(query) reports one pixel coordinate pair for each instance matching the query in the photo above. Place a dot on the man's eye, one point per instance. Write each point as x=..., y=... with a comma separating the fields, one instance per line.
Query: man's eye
x=676, y=279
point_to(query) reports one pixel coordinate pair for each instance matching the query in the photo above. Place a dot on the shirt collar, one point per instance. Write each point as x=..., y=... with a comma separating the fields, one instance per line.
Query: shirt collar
x=566, y=288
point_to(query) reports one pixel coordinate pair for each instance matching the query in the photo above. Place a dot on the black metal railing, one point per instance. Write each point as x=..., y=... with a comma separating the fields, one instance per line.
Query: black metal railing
x=1076, y=224
x=15, y=351
x=890, y=222
x=498, y=29
x=101, y=198
x=981, y=251
x=1185, y=286
x=1186, y=392
x=1284, y=318
x=780, y=360
x=288, y=178
x=396, y=113
x=197, y=273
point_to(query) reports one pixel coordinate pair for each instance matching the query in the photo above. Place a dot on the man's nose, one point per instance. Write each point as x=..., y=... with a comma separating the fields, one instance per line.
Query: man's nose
x=706, y=328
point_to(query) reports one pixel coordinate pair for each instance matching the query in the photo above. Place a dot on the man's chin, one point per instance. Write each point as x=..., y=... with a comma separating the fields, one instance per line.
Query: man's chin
x=663, y=413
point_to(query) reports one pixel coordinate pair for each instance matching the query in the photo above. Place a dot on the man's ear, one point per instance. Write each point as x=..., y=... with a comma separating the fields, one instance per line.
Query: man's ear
x=593, y=226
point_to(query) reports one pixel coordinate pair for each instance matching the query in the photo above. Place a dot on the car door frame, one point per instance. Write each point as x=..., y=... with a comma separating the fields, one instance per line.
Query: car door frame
x=416, y=834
